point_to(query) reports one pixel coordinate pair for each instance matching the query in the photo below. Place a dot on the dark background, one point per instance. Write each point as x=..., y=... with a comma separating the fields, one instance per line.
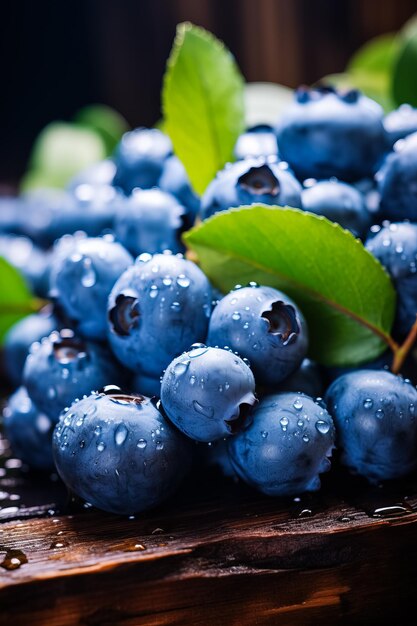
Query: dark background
x=57, y=56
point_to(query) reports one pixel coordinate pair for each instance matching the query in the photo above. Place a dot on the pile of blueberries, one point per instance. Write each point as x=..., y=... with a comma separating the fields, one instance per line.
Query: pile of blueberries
x=222, y=379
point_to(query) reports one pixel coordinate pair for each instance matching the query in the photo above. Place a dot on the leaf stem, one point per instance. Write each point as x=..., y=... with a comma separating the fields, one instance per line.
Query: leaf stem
x=401, y=352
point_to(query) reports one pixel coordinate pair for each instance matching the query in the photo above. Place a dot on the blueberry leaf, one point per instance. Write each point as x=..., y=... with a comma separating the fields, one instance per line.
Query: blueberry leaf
x=404, y=75
x=203, y=103
x=344, y=293
x=376, y=55
x=105, y=121
x=60, y=151
x=16, y=301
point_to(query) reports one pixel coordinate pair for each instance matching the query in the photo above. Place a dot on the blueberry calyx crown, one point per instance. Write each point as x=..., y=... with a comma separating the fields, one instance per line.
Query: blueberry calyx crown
x=259, y=181
x=120, y=396
x=68, y=348
x=242, y=420
x=124, y=316
x=283, y=322
x=305, y=94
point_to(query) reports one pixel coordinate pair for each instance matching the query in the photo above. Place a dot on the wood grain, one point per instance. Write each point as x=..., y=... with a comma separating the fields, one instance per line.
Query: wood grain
x=218, y=552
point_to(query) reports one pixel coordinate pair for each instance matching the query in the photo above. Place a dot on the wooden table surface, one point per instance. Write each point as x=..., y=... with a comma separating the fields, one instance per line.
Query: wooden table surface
x=218, y=553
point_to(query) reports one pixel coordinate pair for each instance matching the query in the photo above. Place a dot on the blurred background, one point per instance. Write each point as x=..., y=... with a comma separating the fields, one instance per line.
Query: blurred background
x=58, y=57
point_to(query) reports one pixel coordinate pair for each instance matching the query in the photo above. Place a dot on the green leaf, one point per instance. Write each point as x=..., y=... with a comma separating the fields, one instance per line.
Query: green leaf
x=60, y=151
x=203, y=103
x=265, y=102
x=16, y=300
x=105, y=121
x=377, y=55
x=345, y=294
x=404, y=75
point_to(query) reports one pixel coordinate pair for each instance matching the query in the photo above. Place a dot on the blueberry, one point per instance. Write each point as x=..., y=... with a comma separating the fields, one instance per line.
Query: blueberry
x=52, y=213
x=28, y=430
x=101, y=173
x=340, y=203
x=21, y=336
x=258, y=141
x=327, y=133
x=10, y=215
x=147, y=385
x=174, y=180
x=306, y=379
x=208, y=393
x=368, y=188
x=30, y=260
x=263, y=325
x=151, y=221
x=286, y=446
x=157, y=309
x=397, y=182
x=83, y=272
x=375, y=419
x=400, y=123
x=62, y=367
x=395, y=246
x=251, y=181
x=119, y=453
x=140, y=158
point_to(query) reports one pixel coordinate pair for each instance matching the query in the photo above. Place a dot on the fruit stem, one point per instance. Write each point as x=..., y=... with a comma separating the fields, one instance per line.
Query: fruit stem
x=401, y=352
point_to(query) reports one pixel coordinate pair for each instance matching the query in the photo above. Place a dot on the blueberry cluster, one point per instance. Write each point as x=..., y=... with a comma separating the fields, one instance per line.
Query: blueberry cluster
x=129, y=311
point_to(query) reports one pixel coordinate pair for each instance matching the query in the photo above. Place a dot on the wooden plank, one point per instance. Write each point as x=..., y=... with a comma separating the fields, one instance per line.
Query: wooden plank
x=217, y=552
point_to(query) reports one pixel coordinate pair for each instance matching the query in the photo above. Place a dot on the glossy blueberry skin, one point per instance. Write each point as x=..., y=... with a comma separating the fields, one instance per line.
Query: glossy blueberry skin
x=263, y=325
x=395, y=246
x=397, y=182
x=368, y=188
x=258, y=141
x=306, y=379
x=157, y=309
x=83, y=273
x=119, y=453
x=286, y=446
x=30, y=260
x=375, y=418
x=29, y=431
x=325, y=134
x=400, y=123
x=52, y=213
x=147, y=385
x=62, y=368
x=10, y=215
x=151, y=221
x=340, y=203
x=251, y=181
x=208, y=393
x=174, y=180
x=19, y=339
x=101, y=173
x=140, y=158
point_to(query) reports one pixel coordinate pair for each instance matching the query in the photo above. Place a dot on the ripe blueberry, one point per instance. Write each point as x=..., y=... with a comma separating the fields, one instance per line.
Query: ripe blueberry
x=208, y=393
x=119, y=453
x=263, y=325
x=375, y=418
x=286, y=446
